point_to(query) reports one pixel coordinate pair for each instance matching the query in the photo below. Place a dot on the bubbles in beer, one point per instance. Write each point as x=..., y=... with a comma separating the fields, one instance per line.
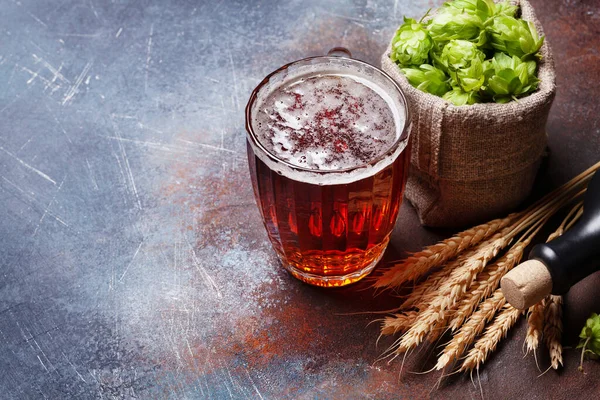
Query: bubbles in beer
x=326, y=122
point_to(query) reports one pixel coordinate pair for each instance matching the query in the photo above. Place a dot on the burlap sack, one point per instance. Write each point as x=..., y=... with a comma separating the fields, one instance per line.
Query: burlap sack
x=473, y=163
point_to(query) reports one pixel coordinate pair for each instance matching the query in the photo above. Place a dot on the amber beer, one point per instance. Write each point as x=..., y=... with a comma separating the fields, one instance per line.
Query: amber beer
x=328, y=155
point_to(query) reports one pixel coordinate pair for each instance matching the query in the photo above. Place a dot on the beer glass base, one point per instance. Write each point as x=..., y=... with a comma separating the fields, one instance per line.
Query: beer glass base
x=333, y=280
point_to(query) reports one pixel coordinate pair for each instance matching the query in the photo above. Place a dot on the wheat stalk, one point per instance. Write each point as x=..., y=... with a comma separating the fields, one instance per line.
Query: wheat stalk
x=576, y=217
x=566, y=190
x=553, y=329
x=470, y=329
x=494, y=333
x=397, y=322
x=420, y=263
x=572, y=217
x=535, y=324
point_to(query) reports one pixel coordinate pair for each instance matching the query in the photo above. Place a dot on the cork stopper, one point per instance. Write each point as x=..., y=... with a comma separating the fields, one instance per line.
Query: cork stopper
x=526, y=284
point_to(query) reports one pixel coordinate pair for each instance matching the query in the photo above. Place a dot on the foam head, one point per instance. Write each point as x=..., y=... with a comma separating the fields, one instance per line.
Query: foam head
x=327, y=120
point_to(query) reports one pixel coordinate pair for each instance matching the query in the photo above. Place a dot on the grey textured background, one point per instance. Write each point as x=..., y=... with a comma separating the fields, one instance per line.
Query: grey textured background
x=133, y=262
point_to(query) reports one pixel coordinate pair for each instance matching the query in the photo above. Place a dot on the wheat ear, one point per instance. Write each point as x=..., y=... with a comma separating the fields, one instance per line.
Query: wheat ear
x=420, y=263
x=425, y=288
x=553, y=329
x=398, y=322
x=486, y=283
x=470, y=329
x=494, y=333
x=489, y=279
x=450, y=292
x=425, y=292
x=535, y=324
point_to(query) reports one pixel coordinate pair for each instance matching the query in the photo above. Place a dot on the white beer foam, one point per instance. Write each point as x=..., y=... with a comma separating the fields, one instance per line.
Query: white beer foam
x=326, y=122
x=314, y=164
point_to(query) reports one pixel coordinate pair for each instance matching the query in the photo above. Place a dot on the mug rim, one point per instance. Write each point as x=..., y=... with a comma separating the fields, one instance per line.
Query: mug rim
x=402, y=138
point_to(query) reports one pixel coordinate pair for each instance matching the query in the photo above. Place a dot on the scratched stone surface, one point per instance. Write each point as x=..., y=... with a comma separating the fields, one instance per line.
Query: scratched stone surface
x=133, y=261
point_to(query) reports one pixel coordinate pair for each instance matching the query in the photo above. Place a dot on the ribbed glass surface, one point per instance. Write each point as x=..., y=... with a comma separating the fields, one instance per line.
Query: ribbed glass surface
x=330, y=230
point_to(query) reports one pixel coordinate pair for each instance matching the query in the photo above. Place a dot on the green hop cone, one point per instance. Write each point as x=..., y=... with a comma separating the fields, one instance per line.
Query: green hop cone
x=459, y=97
x=464, y=63
x=472, y=78
x=591, y=331
x=515, y=37
x=427, y=78
x=484, y=9
x=451, y=23
x=411, y=44
x=459, y=54
x=509, y=77
x=590, y=338
x=506, y=9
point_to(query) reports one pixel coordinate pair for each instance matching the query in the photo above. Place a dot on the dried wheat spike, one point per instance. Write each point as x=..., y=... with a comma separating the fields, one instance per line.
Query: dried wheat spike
x=464, y=274
x=494, y=333
x=422, y=296
x=553, y=329
x=417, y=265
x=425, y=291
x=398, y=322
x=425, y=288
x=450, y=292
x=535, y=324
x=470, y=329
x=487, y=282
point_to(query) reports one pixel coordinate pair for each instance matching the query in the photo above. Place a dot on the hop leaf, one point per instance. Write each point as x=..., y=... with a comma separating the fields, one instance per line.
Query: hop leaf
x=411, y=44
x=459, y=97
x=508, y=78
x=451, y=23
x=436, y=56
x=515, y=37
x=590, y=338
x=427, y=78
x=484, y=9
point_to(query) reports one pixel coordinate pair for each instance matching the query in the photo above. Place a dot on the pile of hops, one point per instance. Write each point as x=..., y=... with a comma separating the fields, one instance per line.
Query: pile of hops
x=470, y=51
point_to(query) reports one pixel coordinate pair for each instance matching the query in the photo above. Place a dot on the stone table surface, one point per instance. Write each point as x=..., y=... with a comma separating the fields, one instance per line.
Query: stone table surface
x=133, y=260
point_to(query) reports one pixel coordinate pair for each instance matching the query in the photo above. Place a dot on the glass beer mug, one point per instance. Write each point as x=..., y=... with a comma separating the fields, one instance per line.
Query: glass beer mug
x=328, y=154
